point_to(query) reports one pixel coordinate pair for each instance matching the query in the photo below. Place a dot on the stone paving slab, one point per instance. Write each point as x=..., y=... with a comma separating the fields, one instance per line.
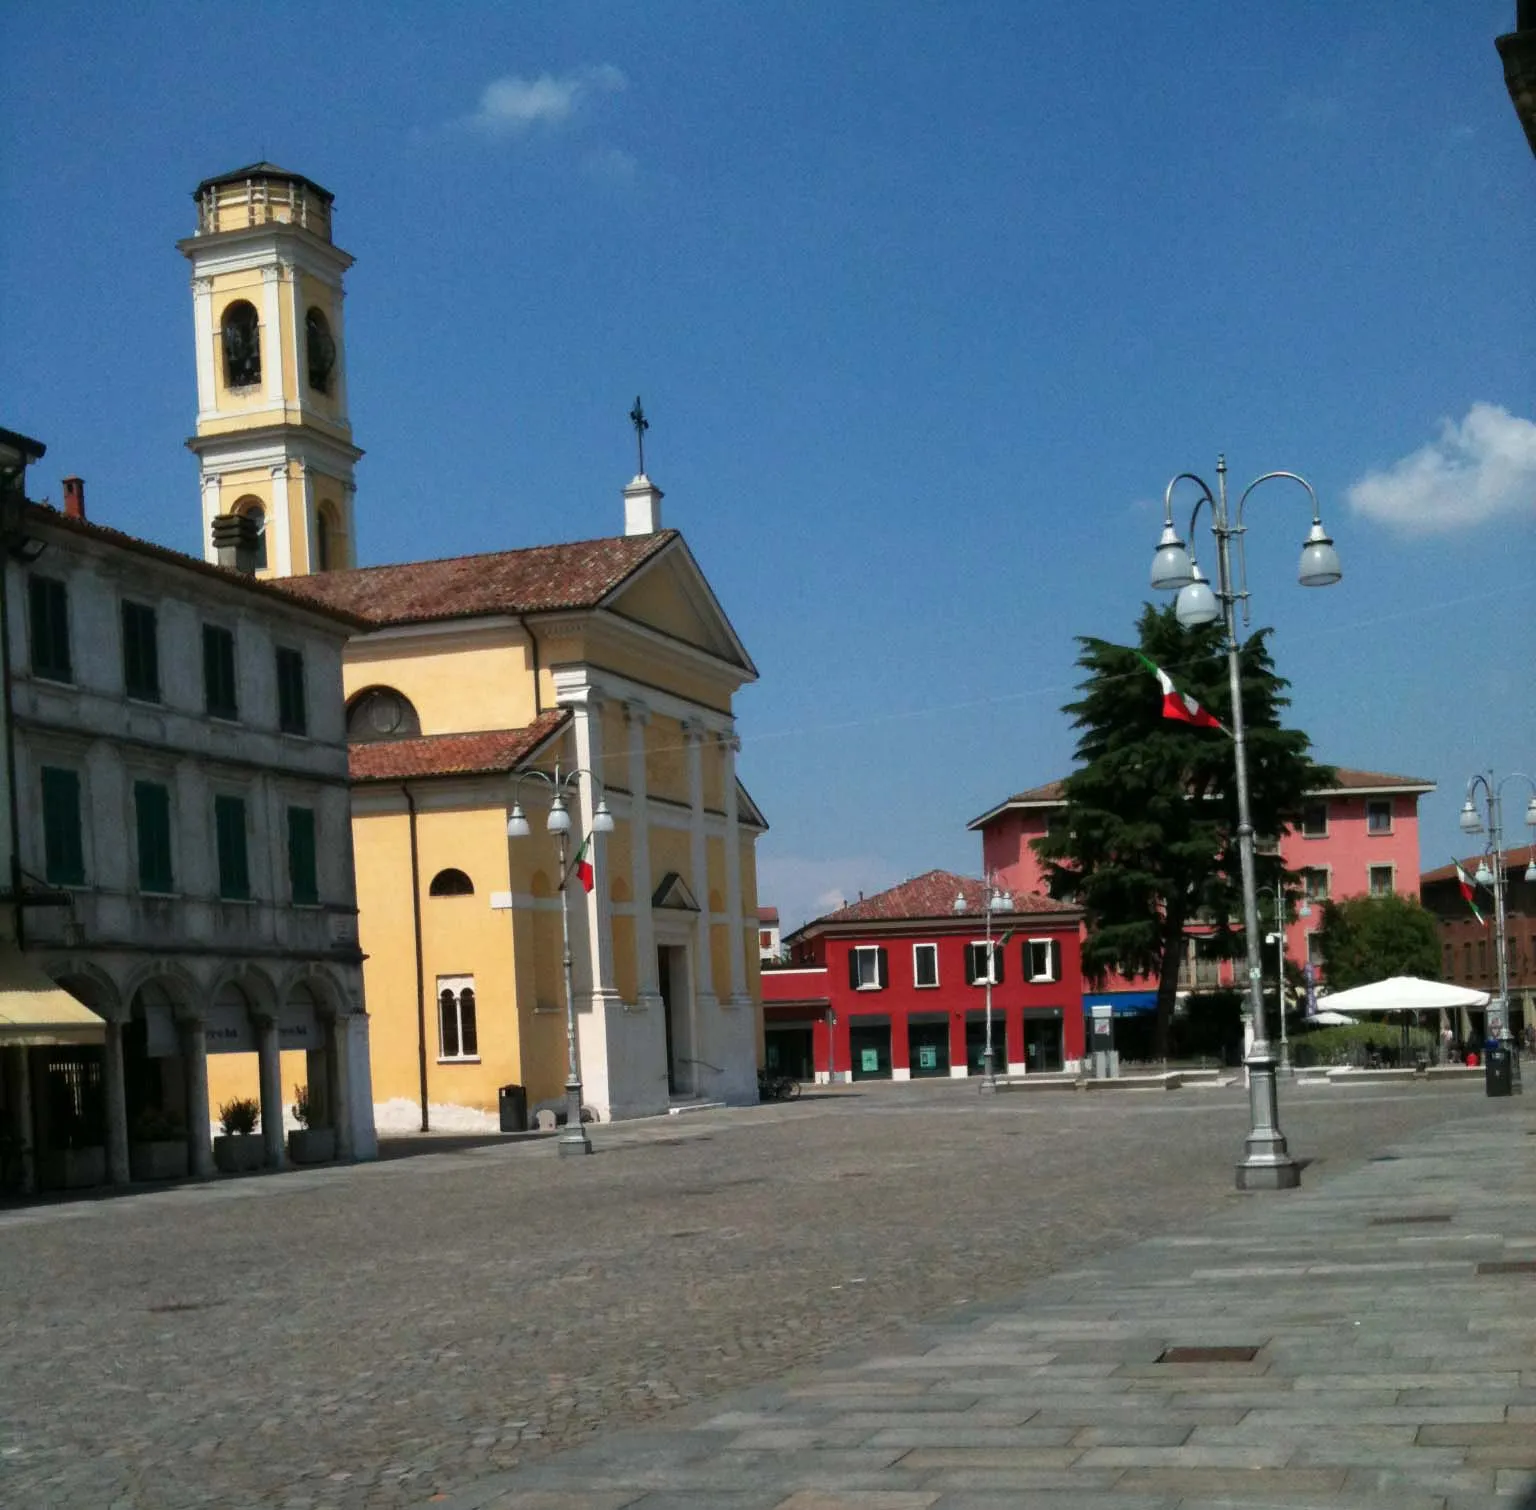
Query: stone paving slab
x=1389, y=1374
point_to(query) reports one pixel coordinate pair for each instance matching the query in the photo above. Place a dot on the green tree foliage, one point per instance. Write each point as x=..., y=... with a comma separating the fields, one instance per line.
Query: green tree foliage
x=1148, y=840
x=1371, y=938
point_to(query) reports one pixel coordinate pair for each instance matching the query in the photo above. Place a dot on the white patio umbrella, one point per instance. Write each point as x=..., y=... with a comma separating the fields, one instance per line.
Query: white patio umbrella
x=1330, y=1019
x=1405, y=993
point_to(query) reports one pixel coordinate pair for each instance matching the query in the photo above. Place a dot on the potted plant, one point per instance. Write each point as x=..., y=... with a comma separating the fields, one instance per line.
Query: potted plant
x=308, y=1144
x=157, y=1149
x=239, y=1149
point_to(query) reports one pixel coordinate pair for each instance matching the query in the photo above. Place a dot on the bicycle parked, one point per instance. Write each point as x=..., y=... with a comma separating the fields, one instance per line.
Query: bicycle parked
x=775, y=1087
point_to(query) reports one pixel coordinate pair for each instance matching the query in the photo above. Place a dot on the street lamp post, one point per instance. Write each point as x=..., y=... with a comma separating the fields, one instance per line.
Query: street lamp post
x=996, y=902
x=1266, y=1163
x=573, y=1136
x=1471, y=823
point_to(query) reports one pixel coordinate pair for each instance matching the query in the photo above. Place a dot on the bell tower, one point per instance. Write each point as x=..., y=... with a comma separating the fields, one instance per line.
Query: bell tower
x=273, y=440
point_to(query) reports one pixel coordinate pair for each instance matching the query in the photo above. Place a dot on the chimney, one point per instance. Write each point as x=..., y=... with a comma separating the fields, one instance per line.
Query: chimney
x=74, y=497
x=642, y=506
x=234, y=538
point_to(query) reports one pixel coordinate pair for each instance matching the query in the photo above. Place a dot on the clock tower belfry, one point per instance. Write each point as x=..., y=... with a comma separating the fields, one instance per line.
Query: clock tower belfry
x=273, y=440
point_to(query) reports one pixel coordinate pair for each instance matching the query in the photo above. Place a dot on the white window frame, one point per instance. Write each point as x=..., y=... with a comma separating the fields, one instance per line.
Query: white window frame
x=918, y=983
x=1321, y=833
x=1370, y=880
x=991, y=958
x=1378, y=802
x=457, y=984
x=872, y=952
x=1052, y=947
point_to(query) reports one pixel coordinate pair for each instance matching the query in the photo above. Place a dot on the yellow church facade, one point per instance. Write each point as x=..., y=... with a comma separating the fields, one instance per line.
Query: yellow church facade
x=608, y=658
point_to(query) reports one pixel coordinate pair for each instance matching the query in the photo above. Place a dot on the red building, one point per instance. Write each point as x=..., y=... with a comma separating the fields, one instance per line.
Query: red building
x=894, y=987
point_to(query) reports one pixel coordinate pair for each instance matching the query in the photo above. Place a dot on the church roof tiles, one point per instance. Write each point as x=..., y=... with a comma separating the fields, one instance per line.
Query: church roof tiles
x=482, y=753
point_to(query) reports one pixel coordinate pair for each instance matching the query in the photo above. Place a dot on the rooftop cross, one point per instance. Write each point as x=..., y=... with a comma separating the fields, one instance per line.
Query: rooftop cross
x=642, y=424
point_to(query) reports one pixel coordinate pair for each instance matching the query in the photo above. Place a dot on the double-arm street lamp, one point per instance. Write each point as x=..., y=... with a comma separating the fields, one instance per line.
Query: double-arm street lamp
x=1266, y=1163
x=573, y=1136
x=1472, y=823
x=997, y=901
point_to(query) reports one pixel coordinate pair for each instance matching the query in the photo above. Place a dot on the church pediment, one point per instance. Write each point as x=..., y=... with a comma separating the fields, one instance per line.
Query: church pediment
x=670, y=596
x=674, y=895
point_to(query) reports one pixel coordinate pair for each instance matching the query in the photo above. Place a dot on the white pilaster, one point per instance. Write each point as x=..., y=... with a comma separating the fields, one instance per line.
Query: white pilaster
x=599, y=907
x=729, y=745
x=272, y=335
x=202, y=322
x=698, y=860
x=212, y=488
x=300, y=354
x=637, y=716
x=339, y=336
x=279, y=534
x=311, y=552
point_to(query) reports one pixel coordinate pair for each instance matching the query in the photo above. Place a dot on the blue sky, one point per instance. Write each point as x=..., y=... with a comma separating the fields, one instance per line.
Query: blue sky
x=927, y=302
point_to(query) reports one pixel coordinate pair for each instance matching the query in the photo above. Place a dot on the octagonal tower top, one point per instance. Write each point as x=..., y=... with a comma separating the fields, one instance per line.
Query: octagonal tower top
x=262, y=194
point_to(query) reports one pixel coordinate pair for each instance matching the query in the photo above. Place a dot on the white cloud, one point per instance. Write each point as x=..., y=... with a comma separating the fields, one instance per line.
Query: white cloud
x=1477, y=470
x=512, y=105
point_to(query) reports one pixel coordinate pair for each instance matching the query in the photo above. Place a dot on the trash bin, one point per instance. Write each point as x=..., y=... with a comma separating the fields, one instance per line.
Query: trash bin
x=512, y=1101
x=1498, y=1070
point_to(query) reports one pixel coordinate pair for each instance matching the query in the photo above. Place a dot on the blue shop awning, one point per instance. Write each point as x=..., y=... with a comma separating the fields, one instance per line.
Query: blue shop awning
x=1125, y=1003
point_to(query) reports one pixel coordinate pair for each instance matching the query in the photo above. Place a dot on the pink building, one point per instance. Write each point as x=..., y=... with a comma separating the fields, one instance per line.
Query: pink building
x=1359, y=836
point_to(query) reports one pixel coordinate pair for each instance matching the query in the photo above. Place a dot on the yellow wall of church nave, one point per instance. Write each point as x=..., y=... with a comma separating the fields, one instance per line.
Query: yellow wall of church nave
x=486, y=683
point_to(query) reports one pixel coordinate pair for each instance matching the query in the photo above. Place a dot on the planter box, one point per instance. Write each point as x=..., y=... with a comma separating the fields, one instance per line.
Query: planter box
x=239, y=1153
x=72, y=1168
x=312, y=1145
x=158, y=1160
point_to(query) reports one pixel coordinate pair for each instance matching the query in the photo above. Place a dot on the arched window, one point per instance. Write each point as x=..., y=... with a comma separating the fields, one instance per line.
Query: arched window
x=325, y=534
x=250, y=508
x=242, y=345
x=457, y=1037
x=451, y=883
x=381, y=713
x=320, y=349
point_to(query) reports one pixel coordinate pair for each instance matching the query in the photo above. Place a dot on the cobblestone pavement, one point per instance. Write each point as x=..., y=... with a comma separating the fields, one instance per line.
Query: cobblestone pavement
x=1368, y=1342
x=375, y=1335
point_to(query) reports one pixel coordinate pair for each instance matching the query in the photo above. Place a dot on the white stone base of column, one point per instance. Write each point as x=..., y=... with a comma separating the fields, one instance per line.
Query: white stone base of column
x=959, y=1071
x=1072, y=1066
x=897, y=1073
x=822, y=1078
x=1017, y=1069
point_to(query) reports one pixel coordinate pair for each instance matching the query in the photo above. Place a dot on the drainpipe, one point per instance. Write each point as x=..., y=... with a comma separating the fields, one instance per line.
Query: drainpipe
x=421, y=981
x=533, y=653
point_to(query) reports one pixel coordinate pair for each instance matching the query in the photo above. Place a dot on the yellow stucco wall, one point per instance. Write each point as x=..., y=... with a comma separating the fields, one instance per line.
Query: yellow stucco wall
x=483, y=682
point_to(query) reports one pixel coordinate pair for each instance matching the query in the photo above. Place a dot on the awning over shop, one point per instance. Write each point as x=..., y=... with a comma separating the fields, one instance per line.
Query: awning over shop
x=34, y=1011
x=1125, y=1003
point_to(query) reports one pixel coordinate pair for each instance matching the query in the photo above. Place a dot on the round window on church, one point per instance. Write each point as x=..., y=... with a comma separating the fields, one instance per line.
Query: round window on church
x=381, y=713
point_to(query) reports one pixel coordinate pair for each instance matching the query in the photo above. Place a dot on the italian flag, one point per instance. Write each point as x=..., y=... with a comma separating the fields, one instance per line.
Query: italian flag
x=1178, y=705
x=1468, y=890
x=582, y=865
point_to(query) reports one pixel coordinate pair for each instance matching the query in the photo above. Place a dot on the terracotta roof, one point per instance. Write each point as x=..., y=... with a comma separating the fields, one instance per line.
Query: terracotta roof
x=483, y=753
x=541, y=579
x=1517, y=857
x=1053, y=793
x=42, y=513
x=767, y=914
x=932, y=895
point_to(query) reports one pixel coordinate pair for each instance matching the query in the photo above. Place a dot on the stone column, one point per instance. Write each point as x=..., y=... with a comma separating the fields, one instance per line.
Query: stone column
x=18, y=1067
x=729, y=745
x=698, y=861
x=337, y=1088
x=116, y=1103
x=598, y=903
x=637, y=716
x=194, y=1058
x=270, y=1074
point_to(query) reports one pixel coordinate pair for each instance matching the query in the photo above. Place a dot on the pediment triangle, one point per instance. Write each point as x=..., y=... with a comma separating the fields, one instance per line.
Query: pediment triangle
x=670, y=595
x=673, y=893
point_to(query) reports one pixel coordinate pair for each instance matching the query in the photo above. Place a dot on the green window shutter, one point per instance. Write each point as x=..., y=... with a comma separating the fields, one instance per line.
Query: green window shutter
x=304, y=886
x=152, y=809
x=48, y=612
x=63, y=844
x=219, y=693
x=229, y=832
x=141, y=652
x=292, y=712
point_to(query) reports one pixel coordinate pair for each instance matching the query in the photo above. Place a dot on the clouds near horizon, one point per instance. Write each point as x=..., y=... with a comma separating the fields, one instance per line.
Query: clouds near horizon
x=1479, y=469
